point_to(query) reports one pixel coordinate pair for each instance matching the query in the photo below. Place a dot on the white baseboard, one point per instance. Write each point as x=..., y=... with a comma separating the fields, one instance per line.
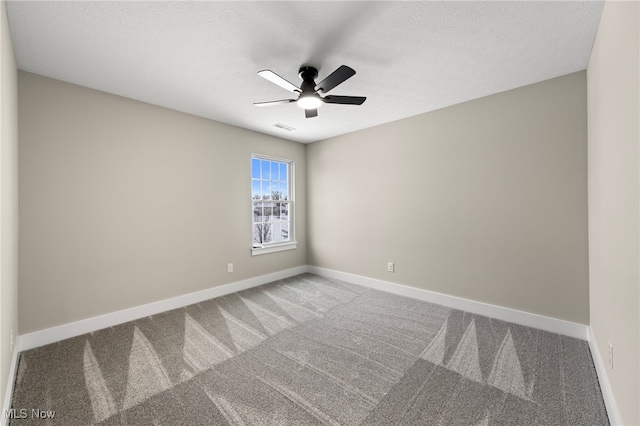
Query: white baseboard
x=553, y=325
x=65, y=331
x=13, y=369
x=607, y=393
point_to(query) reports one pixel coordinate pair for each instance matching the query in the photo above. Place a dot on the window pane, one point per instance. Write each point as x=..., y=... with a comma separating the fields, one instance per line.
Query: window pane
x=277, y=233
x=284, y=189
x=266, y=233
x=257, y=212
x=277, y=211
x=283, y=171
x=257, y=233
x=266, y=169
x=255, y=168
x=274, y=170
x=275, y=192
x=255, y=189
x=266, y=190
x=284, y=211
x=268, y=212
x=284, y=231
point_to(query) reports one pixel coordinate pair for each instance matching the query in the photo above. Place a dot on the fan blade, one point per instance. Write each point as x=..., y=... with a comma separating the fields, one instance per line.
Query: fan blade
x=271, y=103
x=339, y=76
x=276, y=79
x=344, y=100
x=310, y=113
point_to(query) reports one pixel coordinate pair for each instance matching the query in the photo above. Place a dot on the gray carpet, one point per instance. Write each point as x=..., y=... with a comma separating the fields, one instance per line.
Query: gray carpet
x=309, y=350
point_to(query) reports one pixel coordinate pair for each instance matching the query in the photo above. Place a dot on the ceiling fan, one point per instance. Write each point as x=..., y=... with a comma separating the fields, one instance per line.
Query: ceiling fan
x=311, y=95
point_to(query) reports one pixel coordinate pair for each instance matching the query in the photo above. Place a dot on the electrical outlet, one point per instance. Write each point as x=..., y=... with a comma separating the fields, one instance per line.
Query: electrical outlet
x=390, y=267
x=229, y=267
x=610, y=355
x=11, y=345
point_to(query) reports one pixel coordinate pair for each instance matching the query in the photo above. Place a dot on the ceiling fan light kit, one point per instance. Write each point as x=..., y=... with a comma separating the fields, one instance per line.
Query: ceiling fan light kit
x=309, y=101
x=309, y=93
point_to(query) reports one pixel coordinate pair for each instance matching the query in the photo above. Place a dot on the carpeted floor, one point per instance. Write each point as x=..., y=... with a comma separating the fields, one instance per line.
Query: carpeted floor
x=310, y=350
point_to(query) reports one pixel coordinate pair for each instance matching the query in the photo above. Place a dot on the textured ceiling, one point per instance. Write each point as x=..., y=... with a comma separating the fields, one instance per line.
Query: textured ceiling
x=202, y=57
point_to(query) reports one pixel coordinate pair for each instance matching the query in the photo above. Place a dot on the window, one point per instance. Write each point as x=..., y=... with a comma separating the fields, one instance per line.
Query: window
x=271, y=189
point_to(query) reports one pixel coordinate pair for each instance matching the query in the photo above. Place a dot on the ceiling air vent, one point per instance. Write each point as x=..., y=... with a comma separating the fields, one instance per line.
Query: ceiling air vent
x=283, y=127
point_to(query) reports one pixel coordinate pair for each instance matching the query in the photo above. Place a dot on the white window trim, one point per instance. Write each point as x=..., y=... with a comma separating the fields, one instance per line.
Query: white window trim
x=259, y=249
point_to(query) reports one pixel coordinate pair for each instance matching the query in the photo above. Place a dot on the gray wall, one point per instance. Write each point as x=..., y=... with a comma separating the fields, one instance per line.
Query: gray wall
x=124, y=203
x=485, y=200
x=614, y=200
x=8, y=199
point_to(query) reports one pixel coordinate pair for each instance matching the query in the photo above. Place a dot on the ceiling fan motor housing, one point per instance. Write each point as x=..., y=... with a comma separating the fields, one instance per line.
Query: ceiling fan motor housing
x=308, y=76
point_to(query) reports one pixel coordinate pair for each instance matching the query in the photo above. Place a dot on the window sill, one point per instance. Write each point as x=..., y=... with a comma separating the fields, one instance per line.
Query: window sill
x=256, y=251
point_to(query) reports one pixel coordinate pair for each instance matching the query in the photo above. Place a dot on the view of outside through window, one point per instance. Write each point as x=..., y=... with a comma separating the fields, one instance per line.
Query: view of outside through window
x=271, y=201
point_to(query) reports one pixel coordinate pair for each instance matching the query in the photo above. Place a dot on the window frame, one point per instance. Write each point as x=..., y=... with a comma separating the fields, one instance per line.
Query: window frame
x=264, y=248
